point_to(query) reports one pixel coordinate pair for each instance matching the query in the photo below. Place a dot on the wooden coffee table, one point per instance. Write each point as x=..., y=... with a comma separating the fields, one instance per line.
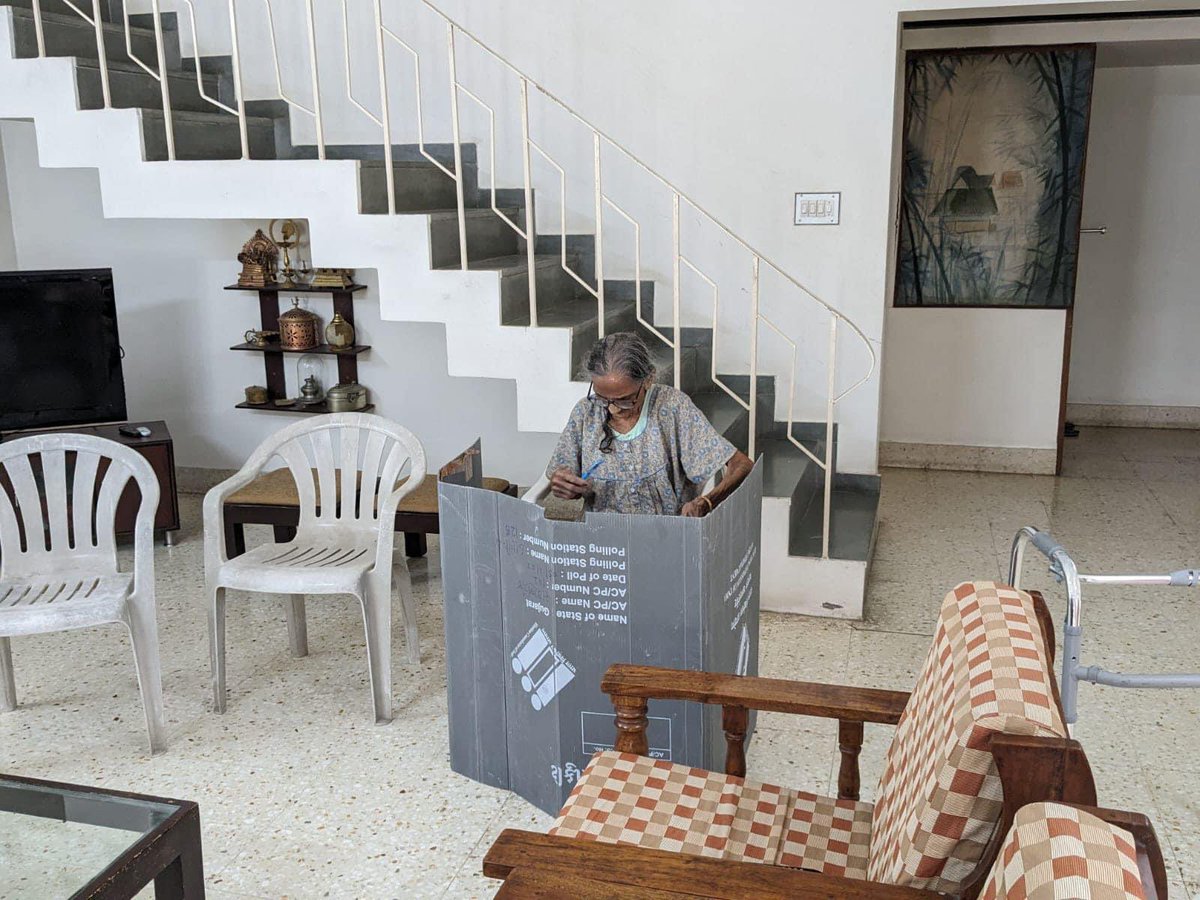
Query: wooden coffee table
x=66, y=840
x=271, y=499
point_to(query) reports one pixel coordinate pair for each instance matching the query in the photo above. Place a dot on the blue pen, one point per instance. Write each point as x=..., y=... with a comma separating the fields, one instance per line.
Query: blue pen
x=592, y=468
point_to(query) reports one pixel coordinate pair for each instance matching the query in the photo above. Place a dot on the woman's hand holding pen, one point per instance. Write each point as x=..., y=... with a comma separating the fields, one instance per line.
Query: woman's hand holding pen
x=566, y=485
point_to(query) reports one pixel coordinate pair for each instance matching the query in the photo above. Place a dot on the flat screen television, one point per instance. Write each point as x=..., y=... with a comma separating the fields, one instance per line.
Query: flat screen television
x=60, y=357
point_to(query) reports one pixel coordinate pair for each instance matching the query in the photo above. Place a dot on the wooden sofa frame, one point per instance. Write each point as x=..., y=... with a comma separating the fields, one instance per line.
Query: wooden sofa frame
x=1031, y=769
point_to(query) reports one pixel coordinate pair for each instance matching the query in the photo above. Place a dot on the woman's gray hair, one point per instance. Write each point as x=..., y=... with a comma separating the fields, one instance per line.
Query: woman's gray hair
x=623, y=353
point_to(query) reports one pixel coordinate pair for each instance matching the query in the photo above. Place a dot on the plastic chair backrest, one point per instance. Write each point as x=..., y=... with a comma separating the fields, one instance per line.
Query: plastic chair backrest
x=58, y=502
x=354, y=458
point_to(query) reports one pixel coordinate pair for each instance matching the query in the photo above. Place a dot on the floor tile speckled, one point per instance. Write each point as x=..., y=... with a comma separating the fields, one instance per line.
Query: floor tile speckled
x=302, y=795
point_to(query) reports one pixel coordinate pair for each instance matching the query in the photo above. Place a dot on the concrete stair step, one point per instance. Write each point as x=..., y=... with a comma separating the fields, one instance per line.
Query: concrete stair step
x=853, y=512
x=727, y=416
x=419, y=184
x=200, y=135
x=70, y=35
x=490, y=235
x=554, y=286
x=132, y=88
x=785, y=466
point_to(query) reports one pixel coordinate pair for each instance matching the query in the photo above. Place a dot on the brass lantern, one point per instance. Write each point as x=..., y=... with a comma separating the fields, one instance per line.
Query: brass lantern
x=298, y=328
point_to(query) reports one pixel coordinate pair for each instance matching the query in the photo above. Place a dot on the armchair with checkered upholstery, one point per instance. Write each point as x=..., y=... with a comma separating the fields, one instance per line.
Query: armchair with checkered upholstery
x=980, y=736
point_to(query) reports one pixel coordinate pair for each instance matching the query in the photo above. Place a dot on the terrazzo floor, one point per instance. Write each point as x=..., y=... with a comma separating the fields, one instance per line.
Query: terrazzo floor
x=302, y=796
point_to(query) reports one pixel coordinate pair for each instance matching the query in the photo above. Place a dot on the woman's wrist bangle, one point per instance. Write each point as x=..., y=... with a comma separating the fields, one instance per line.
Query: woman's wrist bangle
x=706, y=500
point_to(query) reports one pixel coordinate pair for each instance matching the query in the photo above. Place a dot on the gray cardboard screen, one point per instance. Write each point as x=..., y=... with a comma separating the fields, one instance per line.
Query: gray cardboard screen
x=536, y=610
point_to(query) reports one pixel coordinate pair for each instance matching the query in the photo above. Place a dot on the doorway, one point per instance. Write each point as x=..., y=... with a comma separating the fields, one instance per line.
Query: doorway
x=1133, y=360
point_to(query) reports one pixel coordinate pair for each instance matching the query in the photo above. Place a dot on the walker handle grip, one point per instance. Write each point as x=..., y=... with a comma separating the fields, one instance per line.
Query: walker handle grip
x=1185, y=578
x=1046, y=543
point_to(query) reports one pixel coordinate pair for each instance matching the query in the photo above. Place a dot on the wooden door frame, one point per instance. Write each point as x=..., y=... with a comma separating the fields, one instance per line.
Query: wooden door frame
x=1068, y=323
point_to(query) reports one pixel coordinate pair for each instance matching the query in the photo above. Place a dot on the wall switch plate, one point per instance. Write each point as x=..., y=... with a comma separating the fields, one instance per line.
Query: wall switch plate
x=819, y=209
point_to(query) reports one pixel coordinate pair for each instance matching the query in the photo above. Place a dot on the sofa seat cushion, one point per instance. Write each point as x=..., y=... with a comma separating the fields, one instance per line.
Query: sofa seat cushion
x=622, y=798
x=827, y=835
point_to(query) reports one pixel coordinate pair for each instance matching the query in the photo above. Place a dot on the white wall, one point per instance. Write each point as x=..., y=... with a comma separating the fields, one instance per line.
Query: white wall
x=8, y=247
x=177, y=323
x=1137, y=305
x=973, y=377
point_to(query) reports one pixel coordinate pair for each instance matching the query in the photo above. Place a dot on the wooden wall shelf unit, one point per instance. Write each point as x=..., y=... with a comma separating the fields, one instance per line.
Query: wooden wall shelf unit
x=273, y=354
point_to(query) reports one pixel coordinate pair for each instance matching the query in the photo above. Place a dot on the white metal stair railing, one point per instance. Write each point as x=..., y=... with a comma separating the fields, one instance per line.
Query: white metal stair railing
x=670, y=336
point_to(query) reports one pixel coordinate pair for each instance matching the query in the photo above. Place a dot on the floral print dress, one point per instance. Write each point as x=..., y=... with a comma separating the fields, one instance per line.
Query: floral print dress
x=654, y=469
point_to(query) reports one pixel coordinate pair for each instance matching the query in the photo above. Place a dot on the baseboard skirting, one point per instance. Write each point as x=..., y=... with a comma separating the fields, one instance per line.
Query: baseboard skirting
x=1122, y=416
x=959, y=458
x=193, y=480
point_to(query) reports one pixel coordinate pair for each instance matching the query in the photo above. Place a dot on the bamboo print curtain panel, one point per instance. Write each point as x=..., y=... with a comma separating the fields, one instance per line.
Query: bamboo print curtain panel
x=992, y=183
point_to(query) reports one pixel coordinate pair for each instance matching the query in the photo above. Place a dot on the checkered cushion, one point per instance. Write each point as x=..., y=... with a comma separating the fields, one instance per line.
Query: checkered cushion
x=827, y=835
x=1056, y=852
x=622, y=798
x=626, y=799
x=939, y=799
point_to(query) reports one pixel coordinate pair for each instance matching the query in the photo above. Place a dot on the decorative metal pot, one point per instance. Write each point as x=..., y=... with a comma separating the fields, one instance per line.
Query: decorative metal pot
x=339, y=334
x=298, y=328
x=348, y=397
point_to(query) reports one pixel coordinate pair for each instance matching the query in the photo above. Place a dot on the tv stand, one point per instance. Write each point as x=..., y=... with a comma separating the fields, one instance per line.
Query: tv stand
x=159, y=451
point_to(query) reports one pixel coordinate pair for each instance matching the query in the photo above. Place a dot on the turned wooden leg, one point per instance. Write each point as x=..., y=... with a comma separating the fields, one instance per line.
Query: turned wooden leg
x=631, y=725
x=733, y=721
x=850, y=741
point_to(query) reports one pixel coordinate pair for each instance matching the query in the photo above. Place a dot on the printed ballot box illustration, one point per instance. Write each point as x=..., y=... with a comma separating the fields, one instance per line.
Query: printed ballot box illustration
x=537, y=609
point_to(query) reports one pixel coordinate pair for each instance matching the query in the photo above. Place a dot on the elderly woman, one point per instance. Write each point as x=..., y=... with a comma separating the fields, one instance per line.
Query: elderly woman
x=633, y=446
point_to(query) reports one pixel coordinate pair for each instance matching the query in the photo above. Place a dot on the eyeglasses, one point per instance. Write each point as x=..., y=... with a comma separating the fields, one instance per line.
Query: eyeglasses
x=627, y=402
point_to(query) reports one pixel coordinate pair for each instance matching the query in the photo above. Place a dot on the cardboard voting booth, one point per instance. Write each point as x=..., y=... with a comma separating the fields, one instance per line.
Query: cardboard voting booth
x=537, y=609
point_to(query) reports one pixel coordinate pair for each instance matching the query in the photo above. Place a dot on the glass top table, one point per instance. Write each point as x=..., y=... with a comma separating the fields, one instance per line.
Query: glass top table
x=62, y=840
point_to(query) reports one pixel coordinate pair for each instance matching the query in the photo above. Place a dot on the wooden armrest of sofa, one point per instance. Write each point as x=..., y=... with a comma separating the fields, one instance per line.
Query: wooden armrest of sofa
x=631, y=687
x=806, y=698
x=549, y=866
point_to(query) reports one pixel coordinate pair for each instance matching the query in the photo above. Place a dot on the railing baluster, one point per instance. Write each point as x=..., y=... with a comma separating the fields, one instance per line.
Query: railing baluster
x=389, y=174
x=530, y=236
x=316, y=78
x=458, y=164
x=753, y=426
x=599, y=229
x=102, y=53
x=238, y=92
x=675, y=297
x=163, y=80
x=37, y=27
x=830, y=400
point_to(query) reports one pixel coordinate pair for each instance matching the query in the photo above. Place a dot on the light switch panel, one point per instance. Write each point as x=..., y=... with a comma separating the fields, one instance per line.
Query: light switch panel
x=819, y=209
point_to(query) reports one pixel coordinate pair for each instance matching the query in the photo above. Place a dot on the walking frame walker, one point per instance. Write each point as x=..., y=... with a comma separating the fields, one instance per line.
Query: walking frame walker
x=1063, y=568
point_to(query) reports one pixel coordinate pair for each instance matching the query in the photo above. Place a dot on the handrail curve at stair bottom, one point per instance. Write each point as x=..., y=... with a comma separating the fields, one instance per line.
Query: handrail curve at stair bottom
x=383, y=35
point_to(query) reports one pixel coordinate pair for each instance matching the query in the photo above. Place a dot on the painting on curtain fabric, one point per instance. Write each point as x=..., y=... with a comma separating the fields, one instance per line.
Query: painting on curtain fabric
x=992, y=179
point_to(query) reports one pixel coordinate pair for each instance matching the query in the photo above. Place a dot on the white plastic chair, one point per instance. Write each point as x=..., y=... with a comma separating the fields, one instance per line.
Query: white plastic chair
x=58, y=556
x=341, y=546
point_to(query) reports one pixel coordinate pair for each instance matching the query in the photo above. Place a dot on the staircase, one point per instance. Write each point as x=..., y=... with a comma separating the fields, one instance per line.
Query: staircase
x=805, y=567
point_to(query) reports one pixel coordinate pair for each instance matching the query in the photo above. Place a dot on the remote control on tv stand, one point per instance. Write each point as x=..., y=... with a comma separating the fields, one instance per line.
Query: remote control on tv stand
x=139, y=431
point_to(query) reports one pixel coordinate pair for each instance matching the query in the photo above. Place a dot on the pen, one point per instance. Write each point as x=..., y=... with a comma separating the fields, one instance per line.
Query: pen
x=592, y=468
